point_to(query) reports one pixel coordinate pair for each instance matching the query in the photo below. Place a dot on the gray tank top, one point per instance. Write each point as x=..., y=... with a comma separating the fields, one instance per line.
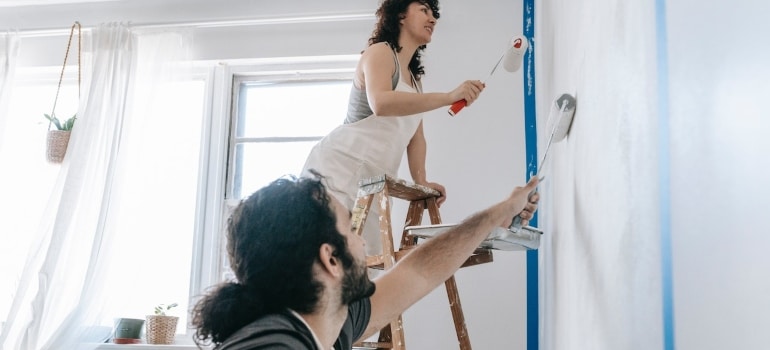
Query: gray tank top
x=358, y=103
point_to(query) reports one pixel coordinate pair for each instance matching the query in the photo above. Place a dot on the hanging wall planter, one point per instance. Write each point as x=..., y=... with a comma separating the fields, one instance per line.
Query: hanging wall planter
x=59, y=138
x=56, y=145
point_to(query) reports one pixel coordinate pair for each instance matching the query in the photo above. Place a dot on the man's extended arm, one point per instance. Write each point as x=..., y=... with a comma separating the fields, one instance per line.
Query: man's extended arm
x=435, y=260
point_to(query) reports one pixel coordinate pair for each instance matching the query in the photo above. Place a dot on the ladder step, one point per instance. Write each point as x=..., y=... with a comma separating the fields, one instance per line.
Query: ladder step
x=372, y=345
x=398, y=188
x=479, y=256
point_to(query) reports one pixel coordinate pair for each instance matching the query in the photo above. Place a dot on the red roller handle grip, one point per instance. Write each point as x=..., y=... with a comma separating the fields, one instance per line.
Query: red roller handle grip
x=457, y=107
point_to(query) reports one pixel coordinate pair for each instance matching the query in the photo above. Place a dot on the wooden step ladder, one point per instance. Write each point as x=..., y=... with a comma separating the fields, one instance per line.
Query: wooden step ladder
x=380, y=189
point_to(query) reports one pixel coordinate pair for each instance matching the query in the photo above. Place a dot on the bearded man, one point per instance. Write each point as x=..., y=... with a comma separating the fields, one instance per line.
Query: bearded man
x=301, y=280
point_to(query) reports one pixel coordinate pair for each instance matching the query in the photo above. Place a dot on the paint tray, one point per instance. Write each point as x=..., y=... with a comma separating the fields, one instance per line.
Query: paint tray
x=524, y=238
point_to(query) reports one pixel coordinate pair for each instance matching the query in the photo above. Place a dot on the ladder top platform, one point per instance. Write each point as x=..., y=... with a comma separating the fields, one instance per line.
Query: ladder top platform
x=397, y=188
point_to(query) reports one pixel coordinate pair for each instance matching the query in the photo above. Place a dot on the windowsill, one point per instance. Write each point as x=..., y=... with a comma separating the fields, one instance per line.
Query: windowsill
x=111, y=346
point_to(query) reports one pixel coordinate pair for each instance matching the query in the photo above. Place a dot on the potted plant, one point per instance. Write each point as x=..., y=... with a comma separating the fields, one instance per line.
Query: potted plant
x=59, y=138
x=127, y=331
x=160, y=328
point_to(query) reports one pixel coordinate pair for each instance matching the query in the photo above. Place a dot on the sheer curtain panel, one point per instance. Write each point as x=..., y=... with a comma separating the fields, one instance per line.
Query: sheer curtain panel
x=65, y=296
x=9, y=43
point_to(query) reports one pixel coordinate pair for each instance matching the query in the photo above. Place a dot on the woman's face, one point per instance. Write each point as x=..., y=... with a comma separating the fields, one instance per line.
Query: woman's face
x=418, y=23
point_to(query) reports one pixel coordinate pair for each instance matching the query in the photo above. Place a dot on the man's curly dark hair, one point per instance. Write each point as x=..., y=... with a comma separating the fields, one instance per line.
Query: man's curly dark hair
x=277, y=229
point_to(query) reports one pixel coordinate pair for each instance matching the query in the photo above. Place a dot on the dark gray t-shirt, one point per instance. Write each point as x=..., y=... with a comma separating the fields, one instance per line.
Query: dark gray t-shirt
x=284, y=331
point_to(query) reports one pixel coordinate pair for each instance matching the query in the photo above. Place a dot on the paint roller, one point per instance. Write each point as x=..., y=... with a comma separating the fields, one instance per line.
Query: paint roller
x=517, y=237
x=511, y=59
x=561, y=115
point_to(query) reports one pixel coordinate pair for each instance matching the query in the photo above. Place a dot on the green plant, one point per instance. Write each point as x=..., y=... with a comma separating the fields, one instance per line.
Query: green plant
x=163, y=308
x=66, y=126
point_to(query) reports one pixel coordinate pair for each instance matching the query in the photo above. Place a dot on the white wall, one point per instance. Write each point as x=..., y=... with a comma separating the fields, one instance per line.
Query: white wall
x=601, y=257
x=720, y=192
x=478, y=155
x=680, y=141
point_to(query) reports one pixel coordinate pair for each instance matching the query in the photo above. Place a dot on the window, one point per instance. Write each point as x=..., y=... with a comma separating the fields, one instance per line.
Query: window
x=276, y=120
x=156, y=221
x=192, y=163
x=275, y=125
x=157, y=218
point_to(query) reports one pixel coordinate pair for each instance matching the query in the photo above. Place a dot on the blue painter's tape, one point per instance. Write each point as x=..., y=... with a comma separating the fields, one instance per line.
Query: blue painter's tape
x=664, y=174
x=530, y=132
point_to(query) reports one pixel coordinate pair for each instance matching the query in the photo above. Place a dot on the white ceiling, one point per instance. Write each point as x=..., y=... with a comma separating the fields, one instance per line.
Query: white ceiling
x=16, y=3
x=43, y=16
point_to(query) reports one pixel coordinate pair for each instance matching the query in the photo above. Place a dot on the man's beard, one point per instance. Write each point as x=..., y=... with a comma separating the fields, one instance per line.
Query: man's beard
x=356, y=283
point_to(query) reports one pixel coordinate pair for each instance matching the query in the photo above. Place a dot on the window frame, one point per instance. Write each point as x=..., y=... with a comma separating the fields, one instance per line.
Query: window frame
x=239, y=81
x=214, y=194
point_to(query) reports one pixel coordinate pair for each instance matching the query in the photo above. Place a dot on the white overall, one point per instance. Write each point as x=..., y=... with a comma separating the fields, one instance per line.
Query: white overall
x=369, y=147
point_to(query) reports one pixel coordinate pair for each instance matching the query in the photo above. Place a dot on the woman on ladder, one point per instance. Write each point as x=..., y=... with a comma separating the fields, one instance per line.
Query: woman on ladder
x=385, y=109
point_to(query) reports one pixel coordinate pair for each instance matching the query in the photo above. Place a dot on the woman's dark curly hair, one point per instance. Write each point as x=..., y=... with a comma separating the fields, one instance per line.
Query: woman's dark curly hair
x=388, y=28
x=273, y=239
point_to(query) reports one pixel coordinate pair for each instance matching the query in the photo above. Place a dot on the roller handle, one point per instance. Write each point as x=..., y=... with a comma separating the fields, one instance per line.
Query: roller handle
x=516, y=224
x=457, y=107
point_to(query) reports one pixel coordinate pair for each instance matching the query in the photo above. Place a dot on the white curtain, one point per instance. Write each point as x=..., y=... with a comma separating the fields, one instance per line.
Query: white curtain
x=9, y=44
x=60, y=303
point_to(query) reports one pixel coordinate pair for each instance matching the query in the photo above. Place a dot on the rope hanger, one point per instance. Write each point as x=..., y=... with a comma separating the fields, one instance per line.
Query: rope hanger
x=64, y=65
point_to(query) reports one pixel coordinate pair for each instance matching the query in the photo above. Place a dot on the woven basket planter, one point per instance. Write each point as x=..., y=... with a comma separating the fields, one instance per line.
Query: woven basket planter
x=56, y=145
x=160, y=329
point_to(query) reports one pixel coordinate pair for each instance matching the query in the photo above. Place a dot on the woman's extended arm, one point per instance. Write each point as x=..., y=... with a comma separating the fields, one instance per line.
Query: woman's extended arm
x=378, y=67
